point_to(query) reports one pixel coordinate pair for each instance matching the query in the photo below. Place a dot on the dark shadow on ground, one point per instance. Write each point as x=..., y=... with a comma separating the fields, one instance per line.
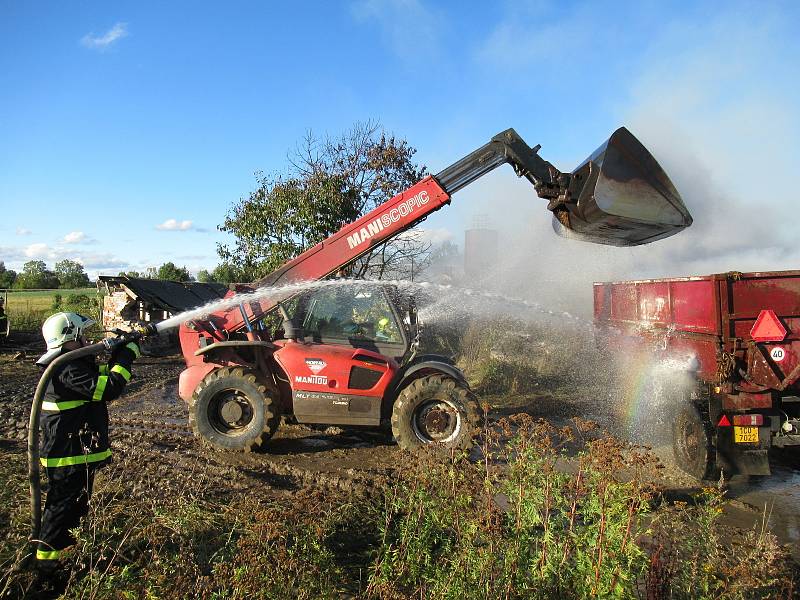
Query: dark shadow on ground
x=274, y=480
x=316, y=443
x=13, y=446
x=542, y=406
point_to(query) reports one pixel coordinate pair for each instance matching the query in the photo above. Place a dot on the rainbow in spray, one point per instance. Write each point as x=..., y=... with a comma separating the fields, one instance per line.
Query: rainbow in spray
x=646, y=398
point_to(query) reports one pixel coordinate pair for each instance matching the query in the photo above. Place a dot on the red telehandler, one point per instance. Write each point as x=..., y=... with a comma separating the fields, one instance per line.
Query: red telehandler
x=348, y=355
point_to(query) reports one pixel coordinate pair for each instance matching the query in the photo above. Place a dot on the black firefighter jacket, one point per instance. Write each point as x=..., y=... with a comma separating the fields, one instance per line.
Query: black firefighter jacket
x=74, y=418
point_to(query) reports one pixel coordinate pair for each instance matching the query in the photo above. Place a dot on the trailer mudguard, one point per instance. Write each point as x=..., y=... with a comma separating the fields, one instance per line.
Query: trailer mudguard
x=739, y=459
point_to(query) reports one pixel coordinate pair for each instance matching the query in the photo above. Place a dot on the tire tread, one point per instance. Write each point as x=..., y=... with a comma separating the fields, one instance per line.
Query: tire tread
x=271, y=414
x=424, y=387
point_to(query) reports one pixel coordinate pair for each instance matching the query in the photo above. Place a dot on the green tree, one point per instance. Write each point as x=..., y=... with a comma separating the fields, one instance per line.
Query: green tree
x=133, y=274
x=7, y=276
x=282, y=218
x=35, y=274
x=330, y=182
x=204, y=276
x=70, y=274
x=171, y=272
x=227, y=273
x=446, y=262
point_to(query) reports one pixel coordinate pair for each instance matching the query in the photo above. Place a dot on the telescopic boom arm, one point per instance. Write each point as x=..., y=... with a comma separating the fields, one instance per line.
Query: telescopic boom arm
x=618, y=196
x=505, y=147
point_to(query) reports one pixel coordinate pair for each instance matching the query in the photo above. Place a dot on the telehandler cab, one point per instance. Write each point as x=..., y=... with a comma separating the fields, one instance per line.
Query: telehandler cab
x=348, y=355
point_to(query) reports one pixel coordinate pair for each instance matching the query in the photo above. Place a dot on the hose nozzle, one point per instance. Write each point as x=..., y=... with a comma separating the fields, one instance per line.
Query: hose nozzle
x=138, y=331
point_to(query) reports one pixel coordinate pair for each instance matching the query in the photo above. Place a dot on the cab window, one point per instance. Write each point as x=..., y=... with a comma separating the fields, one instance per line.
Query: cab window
x=351, y=313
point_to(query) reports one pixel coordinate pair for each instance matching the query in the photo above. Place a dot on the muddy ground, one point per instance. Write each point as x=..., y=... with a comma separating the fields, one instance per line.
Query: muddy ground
x=149, y=429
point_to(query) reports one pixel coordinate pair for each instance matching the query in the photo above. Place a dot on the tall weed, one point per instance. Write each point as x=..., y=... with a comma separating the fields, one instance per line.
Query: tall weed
x=457, y=529
x=560, y=514
x=537, y=512
x=694, y=556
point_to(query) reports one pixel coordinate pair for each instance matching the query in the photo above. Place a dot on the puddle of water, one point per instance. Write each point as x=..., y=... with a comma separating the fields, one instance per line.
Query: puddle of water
x=779, y=497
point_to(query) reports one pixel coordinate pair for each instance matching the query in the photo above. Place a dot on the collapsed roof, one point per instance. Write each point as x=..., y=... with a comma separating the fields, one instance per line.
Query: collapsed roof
x=171, y=296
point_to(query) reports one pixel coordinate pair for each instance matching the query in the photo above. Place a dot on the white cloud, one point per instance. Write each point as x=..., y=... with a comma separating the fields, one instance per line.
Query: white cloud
x=101, y=42
x=722, y=126
x=196, y=257
x=95, y=263
x=73, y=237
x=724, y=129
x=175, y=225
x=515, y=42
x=38, y=250
x=23, y=231
x=11, y=255
x=53, y=254
x=411, y=29
x=94, y=260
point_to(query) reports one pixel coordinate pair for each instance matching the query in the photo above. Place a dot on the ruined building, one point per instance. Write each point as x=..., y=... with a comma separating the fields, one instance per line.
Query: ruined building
x=128, y=299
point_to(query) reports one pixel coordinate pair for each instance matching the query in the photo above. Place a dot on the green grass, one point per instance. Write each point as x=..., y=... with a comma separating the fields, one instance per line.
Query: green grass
x=24, y=300
x=27, y=309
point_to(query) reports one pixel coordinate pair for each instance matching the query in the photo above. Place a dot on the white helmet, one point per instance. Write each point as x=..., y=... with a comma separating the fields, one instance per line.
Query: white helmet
x=59, y=329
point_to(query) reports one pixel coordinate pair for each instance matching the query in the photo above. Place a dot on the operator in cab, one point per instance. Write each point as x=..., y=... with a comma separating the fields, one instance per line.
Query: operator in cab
x=382, y=332
x=74, y=425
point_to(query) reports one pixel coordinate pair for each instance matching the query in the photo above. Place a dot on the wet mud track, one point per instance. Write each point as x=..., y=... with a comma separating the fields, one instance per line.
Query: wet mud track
x=776, y=496
x=154, y=445
x=151, y=423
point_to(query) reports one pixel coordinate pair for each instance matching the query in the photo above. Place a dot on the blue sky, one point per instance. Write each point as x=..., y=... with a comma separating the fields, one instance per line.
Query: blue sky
x=127, y=129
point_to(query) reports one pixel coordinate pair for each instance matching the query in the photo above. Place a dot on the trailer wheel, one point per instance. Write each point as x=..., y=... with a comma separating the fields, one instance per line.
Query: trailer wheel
x=232, y=410
x=693, y=443
x=435, y=410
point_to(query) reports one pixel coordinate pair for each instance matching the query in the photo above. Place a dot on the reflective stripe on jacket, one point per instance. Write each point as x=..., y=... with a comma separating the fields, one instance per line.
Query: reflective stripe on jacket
x=48, y=554
x=75, y=417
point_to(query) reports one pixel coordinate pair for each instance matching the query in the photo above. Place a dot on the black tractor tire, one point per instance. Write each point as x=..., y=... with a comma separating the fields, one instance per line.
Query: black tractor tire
x=693, y=442
x=435, y=410
x=232, y=410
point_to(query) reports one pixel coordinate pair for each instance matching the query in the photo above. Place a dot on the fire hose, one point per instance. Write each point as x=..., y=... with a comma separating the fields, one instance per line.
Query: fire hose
x=36, y=409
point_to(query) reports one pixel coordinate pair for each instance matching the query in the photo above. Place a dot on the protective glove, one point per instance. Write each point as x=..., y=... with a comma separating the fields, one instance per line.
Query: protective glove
x=113, y=344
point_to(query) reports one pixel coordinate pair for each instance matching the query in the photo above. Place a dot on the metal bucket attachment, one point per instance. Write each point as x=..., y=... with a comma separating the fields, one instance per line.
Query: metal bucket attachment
x=621, y=196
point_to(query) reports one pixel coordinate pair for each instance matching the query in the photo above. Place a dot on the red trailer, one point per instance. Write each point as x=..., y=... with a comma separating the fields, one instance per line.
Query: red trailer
x=737, y=337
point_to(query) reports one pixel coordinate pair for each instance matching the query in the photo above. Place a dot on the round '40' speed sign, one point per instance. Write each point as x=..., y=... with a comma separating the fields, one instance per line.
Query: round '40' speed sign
x=777, y=354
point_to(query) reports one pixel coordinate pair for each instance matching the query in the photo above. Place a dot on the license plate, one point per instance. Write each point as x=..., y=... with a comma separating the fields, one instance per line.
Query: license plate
x=745, y=435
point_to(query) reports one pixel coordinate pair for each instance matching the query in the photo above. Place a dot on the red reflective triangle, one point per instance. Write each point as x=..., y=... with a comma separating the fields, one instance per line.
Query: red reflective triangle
x=768, y=328
x=724, y=422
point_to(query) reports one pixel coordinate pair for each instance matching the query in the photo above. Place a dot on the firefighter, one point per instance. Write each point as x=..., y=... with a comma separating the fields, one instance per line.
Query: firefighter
x=74, y=426
x=3, y=319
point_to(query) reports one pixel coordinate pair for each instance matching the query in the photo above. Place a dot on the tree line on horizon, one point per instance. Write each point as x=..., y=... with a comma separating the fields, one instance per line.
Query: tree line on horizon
x=70, y=274
x=66, y=274
x=222, y=273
